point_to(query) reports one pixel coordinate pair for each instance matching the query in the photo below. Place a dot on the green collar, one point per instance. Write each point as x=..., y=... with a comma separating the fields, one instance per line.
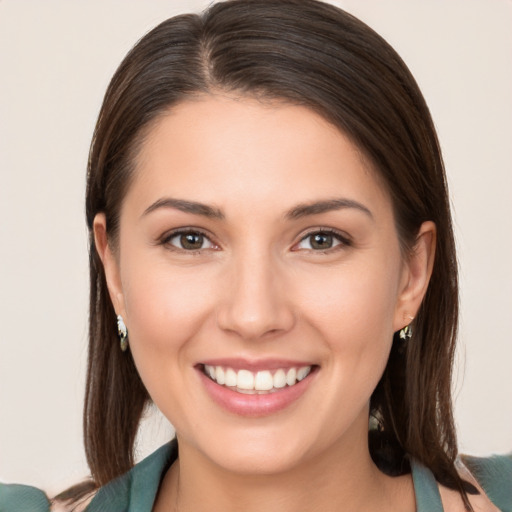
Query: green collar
x=136, y=490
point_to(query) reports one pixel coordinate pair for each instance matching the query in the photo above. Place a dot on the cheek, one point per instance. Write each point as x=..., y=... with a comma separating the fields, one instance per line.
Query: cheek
x=353, y=303
x=165, y=309
x=164, y=306
x=353, y=314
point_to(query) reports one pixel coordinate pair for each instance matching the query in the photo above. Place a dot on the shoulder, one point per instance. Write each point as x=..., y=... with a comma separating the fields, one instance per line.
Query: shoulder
x=133, y=491
x=492, y=476
x=15, y=497
x=66, y=506
x=137, y=489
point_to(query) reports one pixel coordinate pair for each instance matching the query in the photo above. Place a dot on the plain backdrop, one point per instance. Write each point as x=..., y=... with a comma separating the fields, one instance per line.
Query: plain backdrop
x=56, y=58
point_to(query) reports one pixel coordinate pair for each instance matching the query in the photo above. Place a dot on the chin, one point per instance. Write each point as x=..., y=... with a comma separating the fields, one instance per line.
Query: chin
x=263, y=448
x=263, y=459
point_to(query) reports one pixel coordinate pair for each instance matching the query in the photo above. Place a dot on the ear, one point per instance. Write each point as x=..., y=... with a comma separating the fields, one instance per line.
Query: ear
x=416, y=272
x=110, y=263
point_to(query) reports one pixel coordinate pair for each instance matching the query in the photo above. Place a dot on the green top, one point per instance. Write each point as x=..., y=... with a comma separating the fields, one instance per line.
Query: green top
x=136, y=490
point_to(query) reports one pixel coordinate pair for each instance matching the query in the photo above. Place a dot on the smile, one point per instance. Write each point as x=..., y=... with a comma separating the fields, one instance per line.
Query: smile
x=260, y=382
x=256, y=388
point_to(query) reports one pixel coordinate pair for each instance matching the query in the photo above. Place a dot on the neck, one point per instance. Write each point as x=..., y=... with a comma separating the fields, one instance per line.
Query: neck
x=342, y=478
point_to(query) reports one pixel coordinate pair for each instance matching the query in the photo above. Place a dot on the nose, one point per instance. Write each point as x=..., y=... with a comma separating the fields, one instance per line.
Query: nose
x=256, y=303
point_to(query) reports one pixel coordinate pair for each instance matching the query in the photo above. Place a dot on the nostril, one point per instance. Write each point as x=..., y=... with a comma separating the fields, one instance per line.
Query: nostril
x=255, y=321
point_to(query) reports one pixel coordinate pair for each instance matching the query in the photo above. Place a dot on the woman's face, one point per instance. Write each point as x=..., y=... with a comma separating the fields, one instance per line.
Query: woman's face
x=257, y=247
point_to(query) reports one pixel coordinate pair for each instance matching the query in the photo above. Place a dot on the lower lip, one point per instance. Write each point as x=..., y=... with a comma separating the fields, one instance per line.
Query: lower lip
x=255, y=405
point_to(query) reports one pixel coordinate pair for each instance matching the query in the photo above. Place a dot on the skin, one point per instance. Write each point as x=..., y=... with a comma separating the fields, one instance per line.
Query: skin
x=258, y=289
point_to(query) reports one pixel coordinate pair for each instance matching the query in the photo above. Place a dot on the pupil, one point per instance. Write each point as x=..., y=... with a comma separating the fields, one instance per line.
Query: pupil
x=321, y=241
x=191, y=241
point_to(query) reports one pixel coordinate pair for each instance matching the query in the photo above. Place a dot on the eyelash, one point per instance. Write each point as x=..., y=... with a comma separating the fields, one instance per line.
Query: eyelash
x=166, y=239
x=343, y=240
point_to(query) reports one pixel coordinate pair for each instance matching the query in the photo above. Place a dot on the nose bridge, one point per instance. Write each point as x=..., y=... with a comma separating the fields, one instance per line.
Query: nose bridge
x=255, y=298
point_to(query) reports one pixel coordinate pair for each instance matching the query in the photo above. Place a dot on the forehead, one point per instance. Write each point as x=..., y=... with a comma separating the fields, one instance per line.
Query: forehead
x=229, y=150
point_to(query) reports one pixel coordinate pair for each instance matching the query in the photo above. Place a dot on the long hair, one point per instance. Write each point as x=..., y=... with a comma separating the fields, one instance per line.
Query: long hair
x=312, y=54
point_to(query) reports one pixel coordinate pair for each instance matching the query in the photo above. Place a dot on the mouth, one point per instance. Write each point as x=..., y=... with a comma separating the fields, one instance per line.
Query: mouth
x=260, y=382
x=256, y=388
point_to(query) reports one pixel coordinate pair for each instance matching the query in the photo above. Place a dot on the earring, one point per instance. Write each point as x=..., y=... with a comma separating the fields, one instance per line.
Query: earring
x=406, y=333
x=123, y=333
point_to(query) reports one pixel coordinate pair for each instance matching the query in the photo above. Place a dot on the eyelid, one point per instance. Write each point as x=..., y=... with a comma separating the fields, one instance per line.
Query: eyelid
x=344, y=239
x=167, y=236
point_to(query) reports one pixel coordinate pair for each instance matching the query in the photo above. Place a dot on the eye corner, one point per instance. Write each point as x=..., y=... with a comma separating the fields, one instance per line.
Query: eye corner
x=335, y=240
x=166, y=240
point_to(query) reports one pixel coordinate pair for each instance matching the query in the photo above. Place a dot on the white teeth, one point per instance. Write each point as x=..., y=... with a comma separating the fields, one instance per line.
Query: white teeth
x=302, y=373
x=279, y=379
x=291, y=376
x=245, y=380
x=260, y=382
x=263, y=381
x=219, y=375
x=231, y=378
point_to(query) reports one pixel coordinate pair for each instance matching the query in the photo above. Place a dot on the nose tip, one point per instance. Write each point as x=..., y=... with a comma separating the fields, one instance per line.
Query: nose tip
x=256, y=306
x=248, y=328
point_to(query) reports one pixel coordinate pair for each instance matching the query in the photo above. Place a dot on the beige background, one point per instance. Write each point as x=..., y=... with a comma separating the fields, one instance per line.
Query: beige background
x=56, y=58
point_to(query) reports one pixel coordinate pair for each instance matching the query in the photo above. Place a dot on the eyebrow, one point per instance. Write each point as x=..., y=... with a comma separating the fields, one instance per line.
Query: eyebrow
x=185, y=206
x=317, y=207
x=297, y=212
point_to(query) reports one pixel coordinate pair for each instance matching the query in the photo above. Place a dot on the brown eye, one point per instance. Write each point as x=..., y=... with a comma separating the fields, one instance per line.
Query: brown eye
x=190, y=241
x=321, y=241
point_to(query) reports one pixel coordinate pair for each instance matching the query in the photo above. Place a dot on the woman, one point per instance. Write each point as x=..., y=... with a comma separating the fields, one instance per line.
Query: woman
x=269, y=327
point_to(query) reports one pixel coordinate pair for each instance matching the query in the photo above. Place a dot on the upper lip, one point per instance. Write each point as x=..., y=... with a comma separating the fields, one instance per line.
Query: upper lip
x=255, y=364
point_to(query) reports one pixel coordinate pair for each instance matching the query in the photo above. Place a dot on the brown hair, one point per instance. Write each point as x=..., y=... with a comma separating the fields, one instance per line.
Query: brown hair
x=312, y=54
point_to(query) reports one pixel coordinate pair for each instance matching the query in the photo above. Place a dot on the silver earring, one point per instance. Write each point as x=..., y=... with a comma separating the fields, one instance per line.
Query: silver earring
x=123, y=333
x=406, y=333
